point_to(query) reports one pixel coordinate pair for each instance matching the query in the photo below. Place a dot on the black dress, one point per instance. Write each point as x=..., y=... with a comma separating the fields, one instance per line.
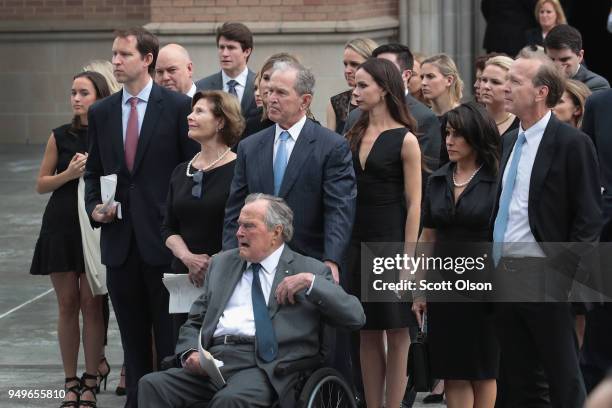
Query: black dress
x=461, y=339
x=380, y=217
x=59, y=247
x=342, y=106
x=199, y=221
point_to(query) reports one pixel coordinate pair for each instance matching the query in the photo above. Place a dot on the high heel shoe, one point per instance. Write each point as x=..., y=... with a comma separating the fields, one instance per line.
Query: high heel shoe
x=75, y=389
x=102, y=376
x=121, y=390
x=88, y=388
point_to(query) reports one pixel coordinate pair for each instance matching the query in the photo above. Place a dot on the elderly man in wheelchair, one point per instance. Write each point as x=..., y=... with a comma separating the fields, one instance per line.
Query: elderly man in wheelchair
x=262, y=313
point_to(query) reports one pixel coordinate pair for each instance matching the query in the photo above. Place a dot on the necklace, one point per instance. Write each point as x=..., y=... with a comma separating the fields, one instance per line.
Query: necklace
x=505, y=120
x=468, y=180
x=190, y=164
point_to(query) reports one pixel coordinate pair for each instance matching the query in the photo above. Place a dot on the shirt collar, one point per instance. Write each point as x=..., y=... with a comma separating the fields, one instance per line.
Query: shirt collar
x=294, y=131
x=142, y=96
x=537, y=130
x=191, y=90
x=241, y=78
x=270, y=263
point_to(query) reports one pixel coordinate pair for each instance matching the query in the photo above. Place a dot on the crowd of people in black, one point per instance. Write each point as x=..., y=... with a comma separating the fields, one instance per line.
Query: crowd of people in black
x=403, y=157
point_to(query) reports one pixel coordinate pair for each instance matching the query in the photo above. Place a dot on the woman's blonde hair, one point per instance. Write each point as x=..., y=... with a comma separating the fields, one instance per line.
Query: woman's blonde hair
x=447, y=67
x=579, y=92
x=500, y=61
x=362, y=46
x=558, y=10
x=105, y=68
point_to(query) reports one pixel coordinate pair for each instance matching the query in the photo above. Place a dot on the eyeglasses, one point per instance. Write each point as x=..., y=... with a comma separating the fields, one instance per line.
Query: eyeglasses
x=198, y=178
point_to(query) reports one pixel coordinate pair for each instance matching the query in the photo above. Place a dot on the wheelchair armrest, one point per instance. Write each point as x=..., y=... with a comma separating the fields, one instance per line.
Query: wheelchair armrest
x=303, y=364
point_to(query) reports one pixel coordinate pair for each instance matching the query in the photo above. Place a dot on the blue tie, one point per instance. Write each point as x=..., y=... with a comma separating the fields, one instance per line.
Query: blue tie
x=501, y=221
x=267, y=347
x=280, y=162
x=231, y=87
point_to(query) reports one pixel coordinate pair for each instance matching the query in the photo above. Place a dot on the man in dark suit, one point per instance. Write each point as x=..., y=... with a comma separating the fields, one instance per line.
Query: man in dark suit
x=295, y=295
x=548, y=193
x=563, y=45
x=304, y=163
x=596, y=358
x=428, y=131
x=234, y=47
x=139, y=134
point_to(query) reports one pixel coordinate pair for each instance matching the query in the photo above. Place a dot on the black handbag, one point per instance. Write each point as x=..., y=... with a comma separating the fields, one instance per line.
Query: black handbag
x=419, y=372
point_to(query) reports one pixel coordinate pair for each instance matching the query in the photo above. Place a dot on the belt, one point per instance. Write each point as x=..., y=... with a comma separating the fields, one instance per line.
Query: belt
x=231, y=339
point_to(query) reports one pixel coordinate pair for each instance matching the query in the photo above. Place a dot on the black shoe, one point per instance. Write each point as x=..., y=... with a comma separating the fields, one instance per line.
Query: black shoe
x=90, y=389
x=102, y=376
x=433, y=398
x=75, y=389
x=121, y=390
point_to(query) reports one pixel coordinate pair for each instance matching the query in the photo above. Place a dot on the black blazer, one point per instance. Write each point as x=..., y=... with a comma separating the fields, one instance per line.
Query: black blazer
x=507, y=21
x=564, y=192
x=533, y=36
x=596, y=123
x=592, y=80
x=163, y=143
x=247, y=105
x=319, y=186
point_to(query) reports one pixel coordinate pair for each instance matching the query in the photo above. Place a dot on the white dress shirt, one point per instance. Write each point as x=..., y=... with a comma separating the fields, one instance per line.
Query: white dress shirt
x=191, y=90
x=241, y=79
x=237, y=318
x=141, y=107
x=518, y=230
x=294, y=132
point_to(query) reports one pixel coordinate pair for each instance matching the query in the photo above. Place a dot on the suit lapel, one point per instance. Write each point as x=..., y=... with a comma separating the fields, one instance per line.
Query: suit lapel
x=225, y=288
x=265, y=160
x=149, y=123
x=302, y=149
x=283, y=269
x=543, y=161
x=116, y=128
x=249, y=91
x=217, y=83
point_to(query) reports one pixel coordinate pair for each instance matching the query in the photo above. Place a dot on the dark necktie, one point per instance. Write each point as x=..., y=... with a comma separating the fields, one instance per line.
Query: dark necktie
x=131, y=134
x=267, y=347
x=231, y=87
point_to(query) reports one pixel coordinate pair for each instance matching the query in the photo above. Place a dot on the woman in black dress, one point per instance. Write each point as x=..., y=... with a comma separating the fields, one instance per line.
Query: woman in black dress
x=59, y=250
x=195, y=208
x=356, y=51
x=457, y=208
x=387, y=163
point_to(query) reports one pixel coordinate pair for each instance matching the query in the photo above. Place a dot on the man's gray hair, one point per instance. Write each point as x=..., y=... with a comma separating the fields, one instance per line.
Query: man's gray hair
x=304, y=79
x=277, y=213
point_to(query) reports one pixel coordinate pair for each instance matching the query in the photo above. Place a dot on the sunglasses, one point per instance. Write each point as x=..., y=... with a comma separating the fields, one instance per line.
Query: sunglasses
x=198, y=178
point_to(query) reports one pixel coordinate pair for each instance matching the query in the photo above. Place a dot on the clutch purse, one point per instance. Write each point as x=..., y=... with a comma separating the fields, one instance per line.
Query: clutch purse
x=419, y=373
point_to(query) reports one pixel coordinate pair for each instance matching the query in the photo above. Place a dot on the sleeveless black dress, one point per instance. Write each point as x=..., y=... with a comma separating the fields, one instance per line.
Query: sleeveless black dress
x=59, y=247
x=380, y=217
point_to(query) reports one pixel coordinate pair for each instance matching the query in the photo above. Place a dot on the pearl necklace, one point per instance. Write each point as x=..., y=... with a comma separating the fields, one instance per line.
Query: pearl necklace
x=190, y=164
x=468, y=180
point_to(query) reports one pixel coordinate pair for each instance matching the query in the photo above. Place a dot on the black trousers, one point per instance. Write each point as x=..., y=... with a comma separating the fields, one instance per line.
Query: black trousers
x=539, y=356
x=140, y=301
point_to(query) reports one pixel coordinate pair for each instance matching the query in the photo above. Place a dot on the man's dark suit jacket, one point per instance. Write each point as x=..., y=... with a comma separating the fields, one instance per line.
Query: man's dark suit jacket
x=564, y=187
x=597, y=123
x=507, y=21
x=592, y=80
x=214, y=82
x=297, y=327
x=162, y=145
x=318, y=185
x=428, y=130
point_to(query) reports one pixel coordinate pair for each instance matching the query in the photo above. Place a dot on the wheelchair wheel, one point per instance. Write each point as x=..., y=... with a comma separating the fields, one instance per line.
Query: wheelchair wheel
x=325, y=389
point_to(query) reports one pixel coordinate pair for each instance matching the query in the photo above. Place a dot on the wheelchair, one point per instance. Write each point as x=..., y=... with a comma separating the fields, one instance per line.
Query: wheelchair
x=316, y=386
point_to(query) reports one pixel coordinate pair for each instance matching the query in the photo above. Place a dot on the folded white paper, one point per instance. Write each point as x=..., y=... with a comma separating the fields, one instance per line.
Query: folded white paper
x=108, y=187
x=182, y=292
x=210, y=364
